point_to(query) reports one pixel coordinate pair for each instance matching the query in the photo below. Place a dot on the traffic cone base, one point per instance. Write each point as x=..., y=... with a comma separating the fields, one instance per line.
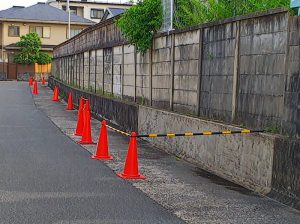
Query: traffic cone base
x=131, y=169
x=102, y=157
x=124, y=176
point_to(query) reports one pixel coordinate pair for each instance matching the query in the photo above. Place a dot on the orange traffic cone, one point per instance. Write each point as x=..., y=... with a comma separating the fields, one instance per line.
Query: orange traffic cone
x=70, y=102
x=30, y=82
x=87, y=132
x=55, y=94
x=43, y=81
x=131, y=169
x=80, y=119
x=35, y=88
x=102, y=148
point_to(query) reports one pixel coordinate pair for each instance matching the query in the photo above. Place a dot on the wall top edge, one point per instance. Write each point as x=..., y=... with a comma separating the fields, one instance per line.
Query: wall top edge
x=89, y=29
x=224, y=21
x=194, y=28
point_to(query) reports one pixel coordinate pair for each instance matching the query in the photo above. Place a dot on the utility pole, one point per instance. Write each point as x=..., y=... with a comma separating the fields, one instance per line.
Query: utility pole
x=69, y=22
x=172, y=14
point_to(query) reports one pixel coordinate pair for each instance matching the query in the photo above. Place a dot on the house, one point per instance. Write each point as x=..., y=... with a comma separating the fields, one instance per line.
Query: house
x=89, y=9
x=50, y=23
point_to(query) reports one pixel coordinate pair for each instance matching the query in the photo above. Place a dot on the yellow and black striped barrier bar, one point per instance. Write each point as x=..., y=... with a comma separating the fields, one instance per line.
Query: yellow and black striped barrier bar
x=189, y=134
x=118, y=131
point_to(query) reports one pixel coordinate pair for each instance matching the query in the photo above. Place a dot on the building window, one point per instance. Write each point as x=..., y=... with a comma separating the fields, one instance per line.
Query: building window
x=46, y=32
x=73, y=9
x=43, y=32
x=97, y=13
x=74, y=31
x=13, y=31
x=36, y=29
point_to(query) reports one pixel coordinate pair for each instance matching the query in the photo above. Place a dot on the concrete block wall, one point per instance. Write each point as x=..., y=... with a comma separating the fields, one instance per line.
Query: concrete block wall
x=291, y=110
x=143, y=78
x=108, y=69
x=92, y=82
x=129, y=72
x=99, y=71
x=77, y=70
x=217, y=71
x=72, y=69
x=263, y=46
x=56, y=68
x=81, y=70
x=64, y=70
x=117, y=70
x=243, y=71
x=86, y=70
x=161, y=72
x=186, y=71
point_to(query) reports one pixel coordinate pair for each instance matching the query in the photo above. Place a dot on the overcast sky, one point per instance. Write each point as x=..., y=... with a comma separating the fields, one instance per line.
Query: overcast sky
x=5, y=4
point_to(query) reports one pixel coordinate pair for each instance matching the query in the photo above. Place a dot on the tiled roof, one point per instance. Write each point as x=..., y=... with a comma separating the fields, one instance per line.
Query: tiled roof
x=41, y=12
x=112, y=12
x=116, y=11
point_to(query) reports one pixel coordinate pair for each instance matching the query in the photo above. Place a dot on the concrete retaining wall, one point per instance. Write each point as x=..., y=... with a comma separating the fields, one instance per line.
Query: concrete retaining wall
x=244, y=159
x=268, y=164
x=286, y=172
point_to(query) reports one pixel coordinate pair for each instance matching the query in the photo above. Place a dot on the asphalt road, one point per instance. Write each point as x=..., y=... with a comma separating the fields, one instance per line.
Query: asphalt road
x=47, y=178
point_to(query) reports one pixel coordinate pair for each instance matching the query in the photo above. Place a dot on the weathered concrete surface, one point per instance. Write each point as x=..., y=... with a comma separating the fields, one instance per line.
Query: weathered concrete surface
x=143, y=78
x=263, y=52
x=129, y=72
x=243, y=70
x=125, y=115
x=246, y=160
x=189, y=192
x=186, y=72
x=46, y=178
x=286, y=172
x=291, y=113
x=217, y=74
x=161, y=72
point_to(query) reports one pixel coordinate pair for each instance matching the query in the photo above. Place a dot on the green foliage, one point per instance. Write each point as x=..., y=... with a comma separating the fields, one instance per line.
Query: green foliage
x=43, y=58
x=194, y=12
x=30, y=46
x=139, y=23
x=273, y=128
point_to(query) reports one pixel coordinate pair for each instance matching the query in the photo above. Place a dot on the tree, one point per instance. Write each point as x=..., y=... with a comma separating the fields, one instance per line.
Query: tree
x=30, y=46
x=139, y=23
